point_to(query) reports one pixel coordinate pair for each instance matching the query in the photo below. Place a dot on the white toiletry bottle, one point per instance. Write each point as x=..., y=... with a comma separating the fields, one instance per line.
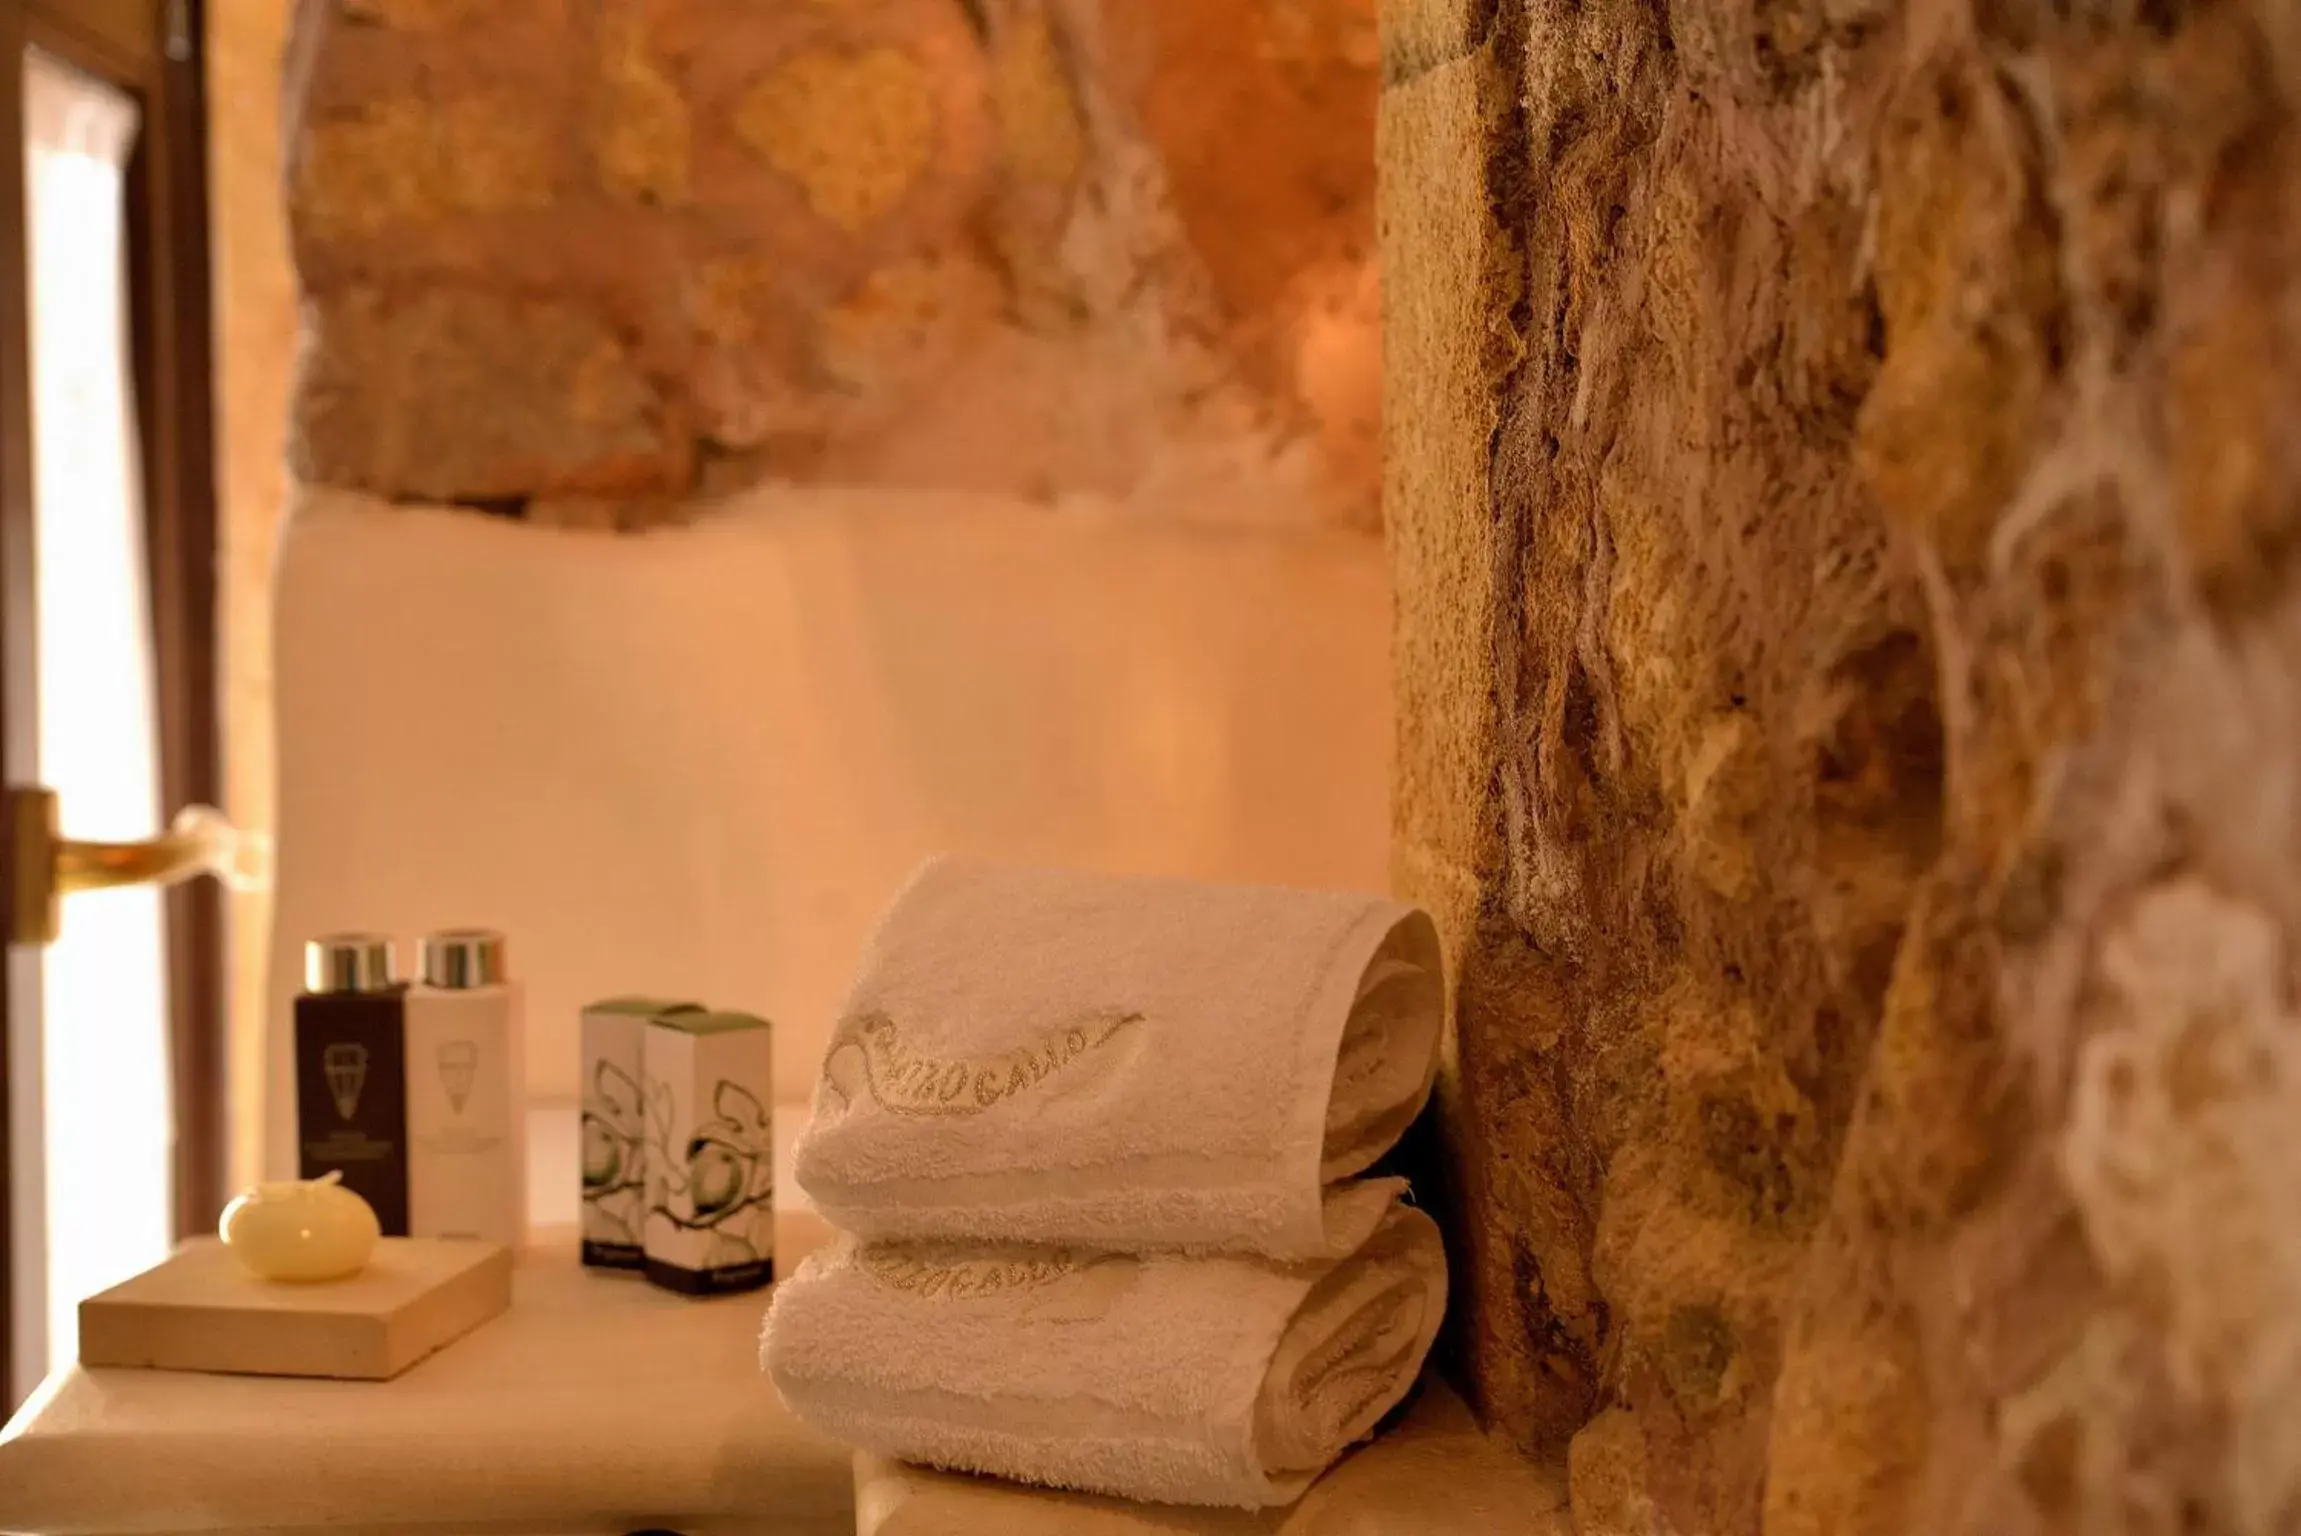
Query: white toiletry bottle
x=466, y=1098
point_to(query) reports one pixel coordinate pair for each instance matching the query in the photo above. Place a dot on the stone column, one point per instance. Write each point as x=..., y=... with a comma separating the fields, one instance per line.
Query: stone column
x=1844, y=486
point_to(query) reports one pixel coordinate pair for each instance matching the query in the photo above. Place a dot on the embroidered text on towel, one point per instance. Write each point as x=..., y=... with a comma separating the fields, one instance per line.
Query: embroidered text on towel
x=869, y=1052
x=924, y=1275
x=956, y=1274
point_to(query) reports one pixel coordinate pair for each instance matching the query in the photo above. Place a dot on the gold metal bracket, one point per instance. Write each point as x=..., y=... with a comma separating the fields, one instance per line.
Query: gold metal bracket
x=44, y=866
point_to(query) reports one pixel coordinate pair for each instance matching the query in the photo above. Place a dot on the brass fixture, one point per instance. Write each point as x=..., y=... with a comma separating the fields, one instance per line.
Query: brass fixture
x=44, y=866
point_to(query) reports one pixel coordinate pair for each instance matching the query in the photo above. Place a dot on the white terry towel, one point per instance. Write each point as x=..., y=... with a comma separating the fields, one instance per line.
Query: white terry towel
x=1050, y=1056
x=1217, y=1379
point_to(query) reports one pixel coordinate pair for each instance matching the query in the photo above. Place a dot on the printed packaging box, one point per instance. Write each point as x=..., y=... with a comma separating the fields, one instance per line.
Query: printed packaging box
x=615, y=1128
x=709, y=1082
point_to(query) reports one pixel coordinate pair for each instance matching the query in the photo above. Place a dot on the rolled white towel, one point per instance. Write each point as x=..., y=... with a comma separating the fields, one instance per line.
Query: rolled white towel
x=1051, y=1056
x=1214, y=1379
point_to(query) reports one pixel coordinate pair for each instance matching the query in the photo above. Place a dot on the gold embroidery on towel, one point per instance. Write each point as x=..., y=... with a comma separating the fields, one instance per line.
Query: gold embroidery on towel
x=940, y=1273
x=869, y=1053
x=924, y=1273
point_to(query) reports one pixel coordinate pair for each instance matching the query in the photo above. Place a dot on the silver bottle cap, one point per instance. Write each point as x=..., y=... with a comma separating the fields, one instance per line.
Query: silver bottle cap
x=460, y=959
x=349, y=962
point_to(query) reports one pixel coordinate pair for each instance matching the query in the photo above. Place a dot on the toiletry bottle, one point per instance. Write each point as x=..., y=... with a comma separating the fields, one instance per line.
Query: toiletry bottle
x=351, y=1081
x=466, y=1074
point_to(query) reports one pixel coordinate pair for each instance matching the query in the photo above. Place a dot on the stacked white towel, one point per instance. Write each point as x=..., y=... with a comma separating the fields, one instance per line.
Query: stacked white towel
x=1092, y=1141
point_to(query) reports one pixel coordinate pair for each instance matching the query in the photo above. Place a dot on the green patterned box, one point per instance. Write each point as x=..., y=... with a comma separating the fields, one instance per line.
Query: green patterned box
x=710, y=1092
x=614, y=1132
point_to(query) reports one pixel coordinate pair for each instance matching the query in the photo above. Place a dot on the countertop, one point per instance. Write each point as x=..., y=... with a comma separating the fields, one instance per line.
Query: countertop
x=596, y=1403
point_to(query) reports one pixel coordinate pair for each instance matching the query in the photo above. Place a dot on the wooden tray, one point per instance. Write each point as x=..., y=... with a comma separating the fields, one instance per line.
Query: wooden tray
x=200, y=1311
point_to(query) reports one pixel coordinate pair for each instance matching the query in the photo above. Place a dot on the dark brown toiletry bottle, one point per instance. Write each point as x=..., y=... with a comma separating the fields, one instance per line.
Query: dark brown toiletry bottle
x=351, y=1072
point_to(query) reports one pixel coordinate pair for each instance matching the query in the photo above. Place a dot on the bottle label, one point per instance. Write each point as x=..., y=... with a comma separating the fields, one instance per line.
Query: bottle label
x=463, y=1115
x=351, y=1098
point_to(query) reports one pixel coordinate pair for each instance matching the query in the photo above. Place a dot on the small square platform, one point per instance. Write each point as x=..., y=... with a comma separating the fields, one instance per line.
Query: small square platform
x=201, y=1311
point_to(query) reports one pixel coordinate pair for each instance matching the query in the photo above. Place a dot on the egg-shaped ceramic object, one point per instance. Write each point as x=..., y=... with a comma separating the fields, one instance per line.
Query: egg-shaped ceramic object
x=311, y=1229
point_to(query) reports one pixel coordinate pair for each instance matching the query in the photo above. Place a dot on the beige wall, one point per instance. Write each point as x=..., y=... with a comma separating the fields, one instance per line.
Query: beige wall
x=255, y=319
x=1134, y=261
x=699, y=760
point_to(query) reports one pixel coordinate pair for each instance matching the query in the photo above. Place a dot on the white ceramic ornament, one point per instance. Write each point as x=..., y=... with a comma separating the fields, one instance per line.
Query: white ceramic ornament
x=304, y=1230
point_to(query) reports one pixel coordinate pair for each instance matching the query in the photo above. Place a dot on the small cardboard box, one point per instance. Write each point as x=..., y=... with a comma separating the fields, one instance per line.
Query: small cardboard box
x=615, y=1128
x=201, y=1311
x=710, y=1088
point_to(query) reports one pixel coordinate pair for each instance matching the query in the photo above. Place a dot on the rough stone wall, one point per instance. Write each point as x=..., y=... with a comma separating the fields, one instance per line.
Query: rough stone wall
x=560, y=255
x=1844, y=489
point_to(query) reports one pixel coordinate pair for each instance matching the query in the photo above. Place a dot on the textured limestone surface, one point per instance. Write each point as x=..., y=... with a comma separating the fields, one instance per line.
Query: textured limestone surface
x=589, y=260
x=1845, y=495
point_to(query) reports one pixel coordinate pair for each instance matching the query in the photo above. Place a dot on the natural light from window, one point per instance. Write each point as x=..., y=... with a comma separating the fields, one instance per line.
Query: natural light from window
x=104, y=1061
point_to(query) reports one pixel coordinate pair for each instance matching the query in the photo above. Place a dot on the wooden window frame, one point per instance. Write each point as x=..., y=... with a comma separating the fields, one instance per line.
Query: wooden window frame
x=154, y=50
